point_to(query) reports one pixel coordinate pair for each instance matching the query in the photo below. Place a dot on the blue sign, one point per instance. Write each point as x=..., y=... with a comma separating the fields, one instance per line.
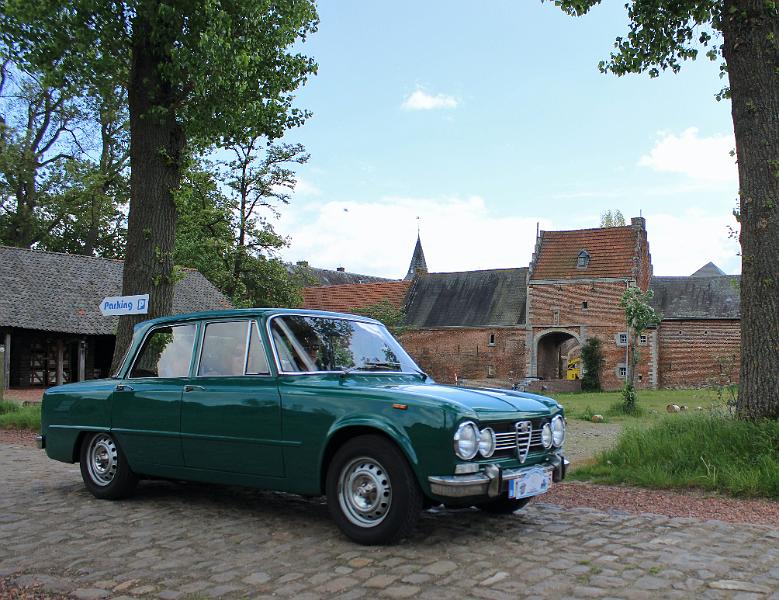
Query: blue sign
x=125, y=305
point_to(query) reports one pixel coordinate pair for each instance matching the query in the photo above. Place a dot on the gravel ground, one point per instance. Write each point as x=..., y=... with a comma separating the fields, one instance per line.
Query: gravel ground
x=20, y=437
x=584, y=440
x=9, y=590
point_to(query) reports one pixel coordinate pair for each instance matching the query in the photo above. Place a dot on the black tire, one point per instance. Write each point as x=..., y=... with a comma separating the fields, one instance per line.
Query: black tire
x=503, y=505
x=372, y=493
x=104, y=467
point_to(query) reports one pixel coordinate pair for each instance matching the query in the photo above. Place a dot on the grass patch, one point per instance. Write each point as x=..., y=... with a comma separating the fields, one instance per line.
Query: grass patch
x=707, y=451
x=651, y=403
x=16, y=416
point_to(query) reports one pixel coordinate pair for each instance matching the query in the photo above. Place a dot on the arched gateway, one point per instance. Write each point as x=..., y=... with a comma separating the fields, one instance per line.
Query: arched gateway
x=552, y=351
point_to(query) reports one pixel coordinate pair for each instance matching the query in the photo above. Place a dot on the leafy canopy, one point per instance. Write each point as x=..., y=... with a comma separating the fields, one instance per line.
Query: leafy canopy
x=227, y=67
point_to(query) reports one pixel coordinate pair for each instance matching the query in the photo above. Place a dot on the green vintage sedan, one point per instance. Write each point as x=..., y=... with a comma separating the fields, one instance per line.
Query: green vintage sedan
x=305, y=402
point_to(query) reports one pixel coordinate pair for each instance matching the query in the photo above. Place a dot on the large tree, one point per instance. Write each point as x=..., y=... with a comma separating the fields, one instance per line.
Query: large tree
x=745, y=33
x=196, y=72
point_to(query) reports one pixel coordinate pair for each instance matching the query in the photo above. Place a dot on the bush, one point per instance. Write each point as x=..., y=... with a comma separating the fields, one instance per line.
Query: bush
x=706, y=451
x=592, y=357
x=15, y=416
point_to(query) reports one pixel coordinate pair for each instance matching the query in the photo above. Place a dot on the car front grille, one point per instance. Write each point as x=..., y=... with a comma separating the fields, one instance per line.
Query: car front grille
x=518, y=438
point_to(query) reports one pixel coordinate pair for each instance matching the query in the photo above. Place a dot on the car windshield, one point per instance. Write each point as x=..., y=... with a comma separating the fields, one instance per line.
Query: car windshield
x=311, y=344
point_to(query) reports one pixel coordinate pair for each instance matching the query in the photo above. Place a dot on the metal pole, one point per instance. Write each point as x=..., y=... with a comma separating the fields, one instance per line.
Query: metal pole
x=2, y=372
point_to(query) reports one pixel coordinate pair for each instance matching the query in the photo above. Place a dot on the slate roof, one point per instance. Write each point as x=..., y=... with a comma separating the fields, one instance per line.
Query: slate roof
x=347, y=298
x=708, y=270
x=495, y=297
x=697, y=297
x=611, y=251
x=335, y=277
x=50, y=291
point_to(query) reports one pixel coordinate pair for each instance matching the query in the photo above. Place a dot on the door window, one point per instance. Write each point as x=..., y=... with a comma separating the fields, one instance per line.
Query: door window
x=166, y=352
x=224, y=349
x=258, y=359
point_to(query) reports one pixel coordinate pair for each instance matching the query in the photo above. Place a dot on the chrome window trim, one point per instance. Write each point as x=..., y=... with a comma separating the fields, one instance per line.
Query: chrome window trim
x=146, y=337
x=356, y=318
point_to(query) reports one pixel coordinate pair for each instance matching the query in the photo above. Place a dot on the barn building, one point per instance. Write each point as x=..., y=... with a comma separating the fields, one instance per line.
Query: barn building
x=50, y=325
x=505, y=326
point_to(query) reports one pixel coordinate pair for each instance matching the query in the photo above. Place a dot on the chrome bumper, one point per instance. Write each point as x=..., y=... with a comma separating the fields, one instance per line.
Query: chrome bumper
x=489, y=481
x=40, y=441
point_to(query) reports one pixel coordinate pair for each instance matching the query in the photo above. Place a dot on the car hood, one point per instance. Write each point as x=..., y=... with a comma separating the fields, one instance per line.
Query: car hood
x=487, y=403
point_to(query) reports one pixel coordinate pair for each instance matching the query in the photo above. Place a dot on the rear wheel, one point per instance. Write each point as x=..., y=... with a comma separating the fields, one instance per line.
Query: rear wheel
x=372, y=493
x=104, y=467
x=503, y=505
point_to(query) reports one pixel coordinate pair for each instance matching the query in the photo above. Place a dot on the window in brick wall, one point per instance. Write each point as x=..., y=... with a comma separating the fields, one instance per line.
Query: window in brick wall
x=643, y=339
x=492, y=340
x=622, y=372
x=584, y=305
x=622, y=339
x=640, y=378
x=490, y=371
x=555, y=316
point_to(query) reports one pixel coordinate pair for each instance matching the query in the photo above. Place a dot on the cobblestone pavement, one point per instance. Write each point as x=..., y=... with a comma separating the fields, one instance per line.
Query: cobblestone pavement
x=195, y=541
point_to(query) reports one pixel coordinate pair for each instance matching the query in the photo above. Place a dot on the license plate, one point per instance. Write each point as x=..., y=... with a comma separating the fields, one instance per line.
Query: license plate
x=530, y=483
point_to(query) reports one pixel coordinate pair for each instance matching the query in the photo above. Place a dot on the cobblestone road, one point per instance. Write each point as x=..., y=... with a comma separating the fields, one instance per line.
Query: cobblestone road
x=193, y=541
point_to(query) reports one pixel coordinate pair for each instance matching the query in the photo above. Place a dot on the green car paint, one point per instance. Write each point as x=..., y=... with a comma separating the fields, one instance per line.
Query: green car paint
x=277, y=430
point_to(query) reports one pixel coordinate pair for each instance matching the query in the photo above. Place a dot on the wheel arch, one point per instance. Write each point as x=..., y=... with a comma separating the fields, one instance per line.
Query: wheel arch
x=344, y=432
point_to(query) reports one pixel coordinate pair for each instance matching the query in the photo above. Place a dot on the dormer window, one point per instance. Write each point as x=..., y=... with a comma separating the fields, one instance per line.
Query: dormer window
x=583, y=260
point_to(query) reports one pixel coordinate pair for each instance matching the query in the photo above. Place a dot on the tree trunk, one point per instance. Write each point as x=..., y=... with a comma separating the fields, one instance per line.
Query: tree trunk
x=156, y=146
x=751, y=48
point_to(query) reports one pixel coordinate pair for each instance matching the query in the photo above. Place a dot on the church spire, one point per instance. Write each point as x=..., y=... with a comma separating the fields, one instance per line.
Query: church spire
x=418, y=263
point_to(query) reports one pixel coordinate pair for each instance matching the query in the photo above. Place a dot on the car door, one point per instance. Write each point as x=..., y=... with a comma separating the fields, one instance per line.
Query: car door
x=146, y=405
x=231, y=410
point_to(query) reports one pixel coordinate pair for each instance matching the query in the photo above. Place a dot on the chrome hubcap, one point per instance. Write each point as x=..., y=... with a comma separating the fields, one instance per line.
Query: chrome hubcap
x=364, y=492
x=102, y=459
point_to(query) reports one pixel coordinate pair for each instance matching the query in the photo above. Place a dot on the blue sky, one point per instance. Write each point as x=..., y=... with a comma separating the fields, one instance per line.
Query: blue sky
x=484, y=119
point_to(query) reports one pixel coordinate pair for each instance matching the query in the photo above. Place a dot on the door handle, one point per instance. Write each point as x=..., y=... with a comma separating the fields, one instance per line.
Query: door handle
x=123, y=387
x=192, y=388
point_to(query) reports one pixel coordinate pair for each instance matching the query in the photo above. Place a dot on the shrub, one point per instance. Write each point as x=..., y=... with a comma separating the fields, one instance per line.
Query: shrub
x=592, y=357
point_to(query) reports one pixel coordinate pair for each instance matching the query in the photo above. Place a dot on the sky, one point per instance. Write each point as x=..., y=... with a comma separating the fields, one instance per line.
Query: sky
x=479, y=122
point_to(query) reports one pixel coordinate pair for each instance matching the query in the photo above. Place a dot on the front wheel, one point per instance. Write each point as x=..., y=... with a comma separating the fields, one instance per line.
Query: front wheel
x=372, y=493
x=104, y=467
x=503, y=505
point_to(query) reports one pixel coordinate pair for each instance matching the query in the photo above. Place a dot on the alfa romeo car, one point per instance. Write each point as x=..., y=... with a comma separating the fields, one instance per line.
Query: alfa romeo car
x=305, y=402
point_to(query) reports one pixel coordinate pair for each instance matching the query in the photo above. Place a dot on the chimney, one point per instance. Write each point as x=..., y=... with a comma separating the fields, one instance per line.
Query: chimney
x=341, y=269
x=638, y=223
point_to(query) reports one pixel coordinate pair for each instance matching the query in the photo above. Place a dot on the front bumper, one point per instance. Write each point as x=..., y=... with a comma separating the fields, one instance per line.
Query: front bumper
x=490, y=481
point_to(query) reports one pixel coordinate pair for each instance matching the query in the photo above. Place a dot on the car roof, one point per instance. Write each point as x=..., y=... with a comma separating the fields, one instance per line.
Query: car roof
x=249, y=312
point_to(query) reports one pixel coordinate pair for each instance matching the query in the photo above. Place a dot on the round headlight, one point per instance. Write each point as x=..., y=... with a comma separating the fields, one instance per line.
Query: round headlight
x=558, y=430
x=466, y=440
x=486, y=442
x=546, y=435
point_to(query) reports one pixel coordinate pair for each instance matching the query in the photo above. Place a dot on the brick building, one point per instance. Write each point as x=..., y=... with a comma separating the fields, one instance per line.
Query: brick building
x=524, y=324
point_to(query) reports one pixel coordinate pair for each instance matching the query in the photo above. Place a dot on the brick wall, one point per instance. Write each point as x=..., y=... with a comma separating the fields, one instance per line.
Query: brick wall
x=468, y=352
x=552, y=305
x=698, y=353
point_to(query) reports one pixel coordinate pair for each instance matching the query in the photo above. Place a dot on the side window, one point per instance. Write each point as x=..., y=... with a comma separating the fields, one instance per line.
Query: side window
x=257, y=364
x=166, y=352
x=224, y=349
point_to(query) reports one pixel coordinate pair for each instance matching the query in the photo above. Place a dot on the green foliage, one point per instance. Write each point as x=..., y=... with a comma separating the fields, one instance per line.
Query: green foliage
x=612, y=218
x=394, y=318
x=698, y=450
x=588, y=413
x=226, y=69
x=593, y=360
x=16, y=416
x=628, y=405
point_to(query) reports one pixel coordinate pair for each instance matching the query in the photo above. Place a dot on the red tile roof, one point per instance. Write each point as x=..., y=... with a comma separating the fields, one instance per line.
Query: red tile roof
x=611, y=249
x=346, y=298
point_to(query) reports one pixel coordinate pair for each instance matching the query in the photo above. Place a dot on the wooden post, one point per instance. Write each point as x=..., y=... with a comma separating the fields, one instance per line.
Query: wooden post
x=60, y=361
x=2, y=372
x=82, y=359
x=7, y=362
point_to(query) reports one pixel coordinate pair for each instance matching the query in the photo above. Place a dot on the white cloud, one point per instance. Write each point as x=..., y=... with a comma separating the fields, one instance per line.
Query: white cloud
x=682, y=243
x=421, y=100
x=303, y=187
x=377, y=237
x=703, y=159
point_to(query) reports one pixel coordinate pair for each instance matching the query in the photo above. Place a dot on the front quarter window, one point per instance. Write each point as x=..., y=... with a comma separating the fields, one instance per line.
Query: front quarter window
x=166, y=352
